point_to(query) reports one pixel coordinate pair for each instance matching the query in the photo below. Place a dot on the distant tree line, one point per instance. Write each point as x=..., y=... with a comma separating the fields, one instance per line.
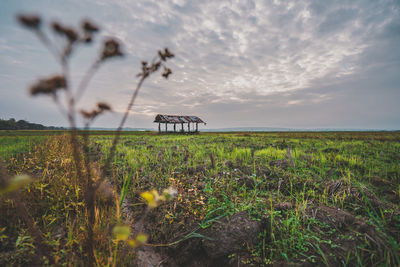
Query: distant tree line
x=12, y=124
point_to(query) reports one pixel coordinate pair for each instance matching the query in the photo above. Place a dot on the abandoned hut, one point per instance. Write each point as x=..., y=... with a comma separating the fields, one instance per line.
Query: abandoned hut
x=175, y=119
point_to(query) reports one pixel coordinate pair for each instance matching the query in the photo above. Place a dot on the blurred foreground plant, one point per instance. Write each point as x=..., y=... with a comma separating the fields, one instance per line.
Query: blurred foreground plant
x=86, y=178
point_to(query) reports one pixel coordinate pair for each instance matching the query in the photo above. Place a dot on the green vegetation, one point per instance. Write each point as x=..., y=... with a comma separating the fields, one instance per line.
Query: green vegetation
x=12, y=124
x=322, y=198
x=12, y=145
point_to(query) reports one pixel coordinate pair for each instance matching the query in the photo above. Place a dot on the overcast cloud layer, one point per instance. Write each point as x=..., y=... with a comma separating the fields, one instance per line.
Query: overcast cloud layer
x=275, y=63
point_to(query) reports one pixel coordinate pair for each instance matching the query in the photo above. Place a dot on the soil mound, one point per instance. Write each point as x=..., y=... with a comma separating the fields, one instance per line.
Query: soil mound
x=225, y=237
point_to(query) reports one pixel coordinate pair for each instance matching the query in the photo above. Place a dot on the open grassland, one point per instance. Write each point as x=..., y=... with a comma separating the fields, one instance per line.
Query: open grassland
x=12, y=145
x=61, y=132
x=243, y=198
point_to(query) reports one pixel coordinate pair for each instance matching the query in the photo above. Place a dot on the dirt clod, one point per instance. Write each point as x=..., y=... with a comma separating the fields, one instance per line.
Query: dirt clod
x=230, y=235
x=147, y=256
x=225, y=237
x=333, y=217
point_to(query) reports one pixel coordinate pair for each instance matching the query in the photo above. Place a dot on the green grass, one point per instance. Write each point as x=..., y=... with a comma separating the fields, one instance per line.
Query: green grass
x=318, y=158
x=219, y=174
x=12, y=145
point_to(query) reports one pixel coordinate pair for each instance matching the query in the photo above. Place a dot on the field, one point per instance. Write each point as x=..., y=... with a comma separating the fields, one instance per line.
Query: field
x=242, y=199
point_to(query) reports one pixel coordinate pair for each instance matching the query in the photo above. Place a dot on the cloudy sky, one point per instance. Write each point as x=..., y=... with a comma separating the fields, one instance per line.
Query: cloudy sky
x=299, y=64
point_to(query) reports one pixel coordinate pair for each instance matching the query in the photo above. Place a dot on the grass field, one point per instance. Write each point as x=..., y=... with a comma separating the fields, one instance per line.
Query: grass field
x=314, y=198
x=13, y=145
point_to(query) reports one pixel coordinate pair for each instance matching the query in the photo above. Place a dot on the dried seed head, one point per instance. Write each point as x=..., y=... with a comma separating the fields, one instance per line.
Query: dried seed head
x=166, y=73
x=89, y=115
x=86, y=114
x=30, y=21
x=58, y=81
x=69, y=33
x=88, y=30
x=89, y=27
x=49, y=86
x=155, y=66
x=161, y=55
x=168, y=53
x=147, y=70
x=57, y=27
x=111, y=49
x=164, y=55
x=103, y=106
x=87, y=38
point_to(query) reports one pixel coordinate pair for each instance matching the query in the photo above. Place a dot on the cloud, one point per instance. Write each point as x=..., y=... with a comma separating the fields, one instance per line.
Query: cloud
x=232, y=57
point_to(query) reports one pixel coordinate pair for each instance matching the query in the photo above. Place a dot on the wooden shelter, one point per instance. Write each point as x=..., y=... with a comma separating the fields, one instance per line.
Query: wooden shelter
x=176, y=119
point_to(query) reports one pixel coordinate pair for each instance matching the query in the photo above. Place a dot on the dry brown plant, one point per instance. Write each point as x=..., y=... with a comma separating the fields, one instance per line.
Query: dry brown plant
x=58, y=84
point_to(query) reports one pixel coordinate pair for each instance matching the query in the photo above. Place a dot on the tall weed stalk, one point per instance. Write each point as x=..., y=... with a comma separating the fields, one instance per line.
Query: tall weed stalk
x=54, y=86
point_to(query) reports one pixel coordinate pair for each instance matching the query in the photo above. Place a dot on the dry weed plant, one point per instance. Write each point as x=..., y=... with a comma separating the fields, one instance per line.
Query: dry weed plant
x=90, y=181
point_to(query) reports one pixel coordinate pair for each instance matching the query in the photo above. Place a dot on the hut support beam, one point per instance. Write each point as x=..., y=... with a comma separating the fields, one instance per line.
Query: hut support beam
x=175, y=119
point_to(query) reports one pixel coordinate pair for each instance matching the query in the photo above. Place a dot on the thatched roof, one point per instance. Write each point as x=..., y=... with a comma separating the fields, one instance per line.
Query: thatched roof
x=177, y=119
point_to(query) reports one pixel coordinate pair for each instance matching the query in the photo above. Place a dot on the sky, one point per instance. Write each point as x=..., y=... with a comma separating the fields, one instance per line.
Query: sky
x=295, y=64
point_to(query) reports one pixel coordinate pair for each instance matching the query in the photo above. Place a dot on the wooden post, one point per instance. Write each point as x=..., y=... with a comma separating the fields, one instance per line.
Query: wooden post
x=174, y=127
x=197, y=126
x=182, y=130
x=166, y=127
x=159, y=127
x=188, y=127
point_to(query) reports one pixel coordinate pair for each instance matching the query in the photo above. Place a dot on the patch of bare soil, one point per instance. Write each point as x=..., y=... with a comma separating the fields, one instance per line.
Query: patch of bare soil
x=225, y=237
x=387, y=187
x=361, y=194
x=230, y=235
x=351, y=233
x=145, y=256
x=149, y=257
x=353, y=236
x=337, y=218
